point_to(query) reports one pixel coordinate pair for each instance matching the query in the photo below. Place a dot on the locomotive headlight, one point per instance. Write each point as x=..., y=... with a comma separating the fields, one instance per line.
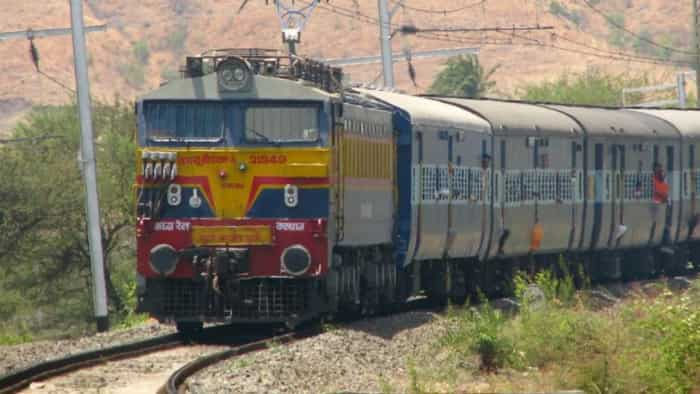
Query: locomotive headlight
x=157, y=170
x=296, y=260
x=291, y=196
x=148, y=171
x=233, y=74
x=166, y=169
x=163, y=259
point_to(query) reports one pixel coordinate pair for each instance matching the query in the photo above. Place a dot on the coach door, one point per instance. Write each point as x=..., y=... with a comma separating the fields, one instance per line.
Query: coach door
x=600, y=192
x=617, y=203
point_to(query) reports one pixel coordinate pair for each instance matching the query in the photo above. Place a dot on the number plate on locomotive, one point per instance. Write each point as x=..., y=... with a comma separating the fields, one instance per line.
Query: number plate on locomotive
x=231, y=235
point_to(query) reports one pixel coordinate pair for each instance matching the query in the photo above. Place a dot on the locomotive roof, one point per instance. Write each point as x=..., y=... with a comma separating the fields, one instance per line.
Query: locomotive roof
x=516, y=118
x=263, y=87
x=616, y=122
x=686, y=121
x=430, y=112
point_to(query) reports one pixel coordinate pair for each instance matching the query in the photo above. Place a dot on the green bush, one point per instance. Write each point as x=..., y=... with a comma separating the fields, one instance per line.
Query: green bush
x=177, y=38
x=47, y=288
x=616, y=36
x=558, y=9
x=141, y=52
x=591, y=87
x=480, y=331
x=134, y=73
x=644, y=345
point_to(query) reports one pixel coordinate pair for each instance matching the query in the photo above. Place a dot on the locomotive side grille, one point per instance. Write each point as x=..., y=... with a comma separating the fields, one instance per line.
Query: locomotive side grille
x=269, y=299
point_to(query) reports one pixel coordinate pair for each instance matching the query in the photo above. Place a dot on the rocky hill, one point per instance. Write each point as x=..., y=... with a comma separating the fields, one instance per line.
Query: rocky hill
x=147, y=40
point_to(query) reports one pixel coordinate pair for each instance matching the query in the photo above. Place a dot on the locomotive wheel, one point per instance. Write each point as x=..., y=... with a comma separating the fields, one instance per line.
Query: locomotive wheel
x=189, y=328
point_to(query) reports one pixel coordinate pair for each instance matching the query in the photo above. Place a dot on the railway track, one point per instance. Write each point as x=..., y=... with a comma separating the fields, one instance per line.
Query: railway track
x=176, y=381
x=238, y=343
x=18, y=380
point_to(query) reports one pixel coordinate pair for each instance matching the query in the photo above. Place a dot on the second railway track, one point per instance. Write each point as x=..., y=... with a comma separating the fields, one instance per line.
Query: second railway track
x=17, y=380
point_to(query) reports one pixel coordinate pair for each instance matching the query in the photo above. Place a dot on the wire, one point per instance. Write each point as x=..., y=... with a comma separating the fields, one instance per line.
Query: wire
x=444, y=11
x=612, y=22
x=622, y=56
x=56, y=81
x=618, y=53
x=410, y=29
x=600, y=53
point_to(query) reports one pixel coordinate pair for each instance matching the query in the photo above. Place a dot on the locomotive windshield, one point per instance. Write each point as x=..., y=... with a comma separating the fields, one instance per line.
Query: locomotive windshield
x=167, y=121
x=281, y=123
x=238, y=123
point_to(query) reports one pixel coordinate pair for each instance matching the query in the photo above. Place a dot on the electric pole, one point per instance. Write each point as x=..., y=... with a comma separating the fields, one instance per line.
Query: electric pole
x=385, y=42
x=696, y=27
x=87, y=149
x=87, y=155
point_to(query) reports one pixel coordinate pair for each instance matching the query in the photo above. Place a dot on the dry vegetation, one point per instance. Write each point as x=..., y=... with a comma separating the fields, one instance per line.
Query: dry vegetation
x=167, y=29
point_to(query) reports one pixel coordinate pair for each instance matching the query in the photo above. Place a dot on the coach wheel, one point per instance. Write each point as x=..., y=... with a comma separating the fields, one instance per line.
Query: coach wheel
x=189, y=327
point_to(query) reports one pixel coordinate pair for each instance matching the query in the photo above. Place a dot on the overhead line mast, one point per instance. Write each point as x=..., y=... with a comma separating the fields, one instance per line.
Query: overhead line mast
x=696, y=28
x=87, y=155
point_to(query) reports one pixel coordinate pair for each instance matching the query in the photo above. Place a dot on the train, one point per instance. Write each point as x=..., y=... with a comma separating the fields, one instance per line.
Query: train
x=269, y=192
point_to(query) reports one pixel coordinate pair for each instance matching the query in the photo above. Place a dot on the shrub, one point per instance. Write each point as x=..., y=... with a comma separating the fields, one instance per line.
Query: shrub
x=141, y=52
x=480, y=331
x=177, y=38
x=616, y=36
x=134, y=73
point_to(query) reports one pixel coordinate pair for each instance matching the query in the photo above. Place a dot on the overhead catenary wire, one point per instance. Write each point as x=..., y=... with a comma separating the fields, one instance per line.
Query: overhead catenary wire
x=615, y=24
x=443, y=11
x=447, y=37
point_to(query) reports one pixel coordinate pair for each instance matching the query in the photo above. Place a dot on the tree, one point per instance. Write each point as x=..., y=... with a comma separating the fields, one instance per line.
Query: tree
x=43, y=238
x=591, y=87
x=463, y=76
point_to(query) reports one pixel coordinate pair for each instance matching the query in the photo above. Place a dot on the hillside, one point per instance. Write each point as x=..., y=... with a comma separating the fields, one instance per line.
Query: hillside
x=148, y=39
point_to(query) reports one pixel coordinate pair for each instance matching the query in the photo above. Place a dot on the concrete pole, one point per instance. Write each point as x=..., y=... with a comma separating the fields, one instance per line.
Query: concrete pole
x=696, y=27
x=385, y=43
x=87, y=150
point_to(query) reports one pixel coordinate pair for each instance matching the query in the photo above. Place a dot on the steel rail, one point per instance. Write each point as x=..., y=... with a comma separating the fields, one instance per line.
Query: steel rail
x=20, y=379
x=175, y=383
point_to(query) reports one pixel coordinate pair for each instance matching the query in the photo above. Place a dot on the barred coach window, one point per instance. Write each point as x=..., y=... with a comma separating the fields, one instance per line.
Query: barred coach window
x=281, y=123
x=184, y=121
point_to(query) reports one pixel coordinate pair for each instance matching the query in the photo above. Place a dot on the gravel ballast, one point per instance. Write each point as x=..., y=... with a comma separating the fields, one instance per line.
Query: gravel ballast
x=16, y=357
x=366, y=356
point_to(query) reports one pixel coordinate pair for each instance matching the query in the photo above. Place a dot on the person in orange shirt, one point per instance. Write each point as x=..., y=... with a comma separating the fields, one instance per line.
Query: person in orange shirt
x=660, y=195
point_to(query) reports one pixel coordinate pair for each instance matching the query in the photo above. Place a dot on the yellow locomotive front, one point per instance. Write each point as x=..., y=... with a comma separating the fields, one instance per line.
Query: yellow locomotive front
x=233, y=194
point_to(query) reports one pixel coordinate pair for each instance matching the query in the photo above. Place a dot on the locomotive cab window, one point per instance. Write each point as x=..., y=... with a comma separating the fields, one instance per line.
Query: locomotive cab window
x=184, y=121
x=281, y=123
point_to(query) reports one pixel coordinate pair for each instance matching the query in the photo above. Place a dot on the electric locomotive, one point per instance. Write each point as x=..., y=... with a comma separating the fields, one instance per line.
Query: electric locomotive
x=233, y=190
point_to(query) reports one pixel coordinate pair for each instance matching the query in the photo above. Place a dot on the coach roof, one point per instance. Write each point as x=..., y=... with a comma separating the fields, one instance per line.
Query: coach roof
x=615, y=122
x=428, y=112
x=513, y=118
x=686, y=121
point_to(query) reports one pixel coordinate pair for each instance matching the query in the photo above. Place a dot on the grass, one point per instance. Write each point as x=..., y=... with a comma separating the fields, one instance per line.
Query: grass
x=644, y=344
x=8, y=339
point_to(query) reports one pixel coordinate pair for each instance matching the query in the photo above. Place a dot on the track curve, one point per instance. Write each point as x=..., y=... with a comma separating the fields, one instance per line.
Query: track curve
x=18, y=380
x=175, y=383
